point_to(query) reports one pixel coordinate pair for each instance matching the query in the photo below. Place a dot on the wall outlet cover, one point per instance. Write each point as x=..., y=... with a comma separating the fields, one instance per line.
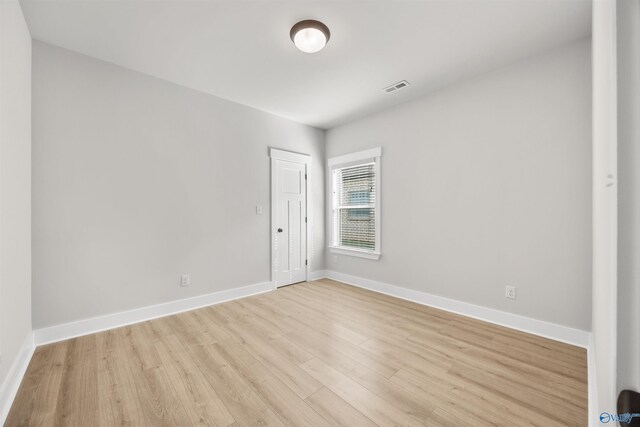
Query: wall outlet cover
x=185, y=280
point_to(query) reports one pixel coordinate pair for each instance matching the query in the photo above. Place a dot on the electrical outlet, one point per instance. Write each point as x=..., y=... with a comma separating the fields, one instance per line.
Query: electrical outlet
x=259, y=210
x=335, y=259
x=185, y=280
x=510, y=292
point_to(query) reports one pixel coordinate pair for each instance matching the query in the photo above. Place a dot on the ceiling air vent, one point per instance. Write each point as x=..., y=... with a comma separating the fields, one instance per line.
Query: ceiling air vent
x=400, y=85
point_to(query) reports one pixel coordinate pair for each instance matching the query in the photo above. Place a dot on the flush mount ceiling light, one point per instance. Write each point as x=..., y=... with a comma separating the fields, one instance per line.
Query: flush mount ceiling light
x=310, y=36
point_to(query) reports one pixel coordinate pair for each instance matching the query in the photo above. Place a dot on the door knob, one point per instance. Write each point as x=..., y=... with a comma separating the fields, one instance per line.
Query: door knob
x=279, y=230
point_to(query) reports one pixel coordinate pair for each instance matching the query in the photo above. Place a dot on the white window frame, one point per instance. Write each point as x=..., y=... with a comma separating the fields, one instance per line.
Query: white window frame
x=371, y=155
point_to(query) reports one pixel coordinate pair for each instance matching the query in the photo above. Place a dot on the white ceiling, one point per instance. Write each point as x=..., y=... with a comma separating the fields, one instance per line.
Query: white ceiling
x=240, y=50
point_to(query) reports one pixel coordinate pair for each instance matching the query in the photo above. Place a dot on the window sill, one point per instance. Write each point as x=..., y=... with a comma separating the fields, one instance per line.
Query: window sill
x=355, y=252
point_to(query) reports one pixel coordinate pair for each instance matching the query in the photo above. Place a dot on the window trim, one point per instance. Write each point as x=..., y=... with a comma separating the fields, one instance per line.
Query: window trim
x=373, y=155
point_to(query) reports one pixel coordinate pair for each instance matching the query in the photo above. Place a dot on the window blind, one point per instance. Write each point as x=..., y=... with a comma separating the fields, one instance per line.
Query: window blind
x=354, y=213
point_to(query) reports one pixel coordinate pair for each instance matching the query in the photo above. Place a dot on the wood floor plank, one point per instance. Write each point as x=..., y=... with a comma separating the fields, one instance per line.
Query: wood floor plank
x=39, y=390
x=336, y=411
x=485, y=359
x=318, y=341
x=358, y=316
x=245, y=406
x=365, y=401
x=382, y=304
x=480, y=401
x=266, y=345
x=328, y=348
x=286, y=370
x=255, y=325
x=160, y=404
x=534, y=359
x=397, y=308
x=190, y=386
x=545, y=346
x=317, y=319
x=289, y=407
x=439, y=349
x=77, y=403
x=416, y=404
x=119, y=403
x=444, y=418
x=319, y=353
x=554, y=408
x=404, y=355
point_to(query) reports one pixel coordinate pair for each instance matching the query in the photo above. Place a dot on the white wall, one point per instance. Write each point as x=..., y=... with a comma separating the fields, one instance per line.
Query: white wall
x=628, y=58
x=15, y=189
x=137, y=181
x=485, y=184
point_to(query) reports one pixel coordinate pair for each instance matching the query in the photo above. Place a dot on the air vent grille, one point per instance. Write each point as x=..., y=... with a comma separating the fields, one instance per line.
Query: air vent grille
x=400, y=85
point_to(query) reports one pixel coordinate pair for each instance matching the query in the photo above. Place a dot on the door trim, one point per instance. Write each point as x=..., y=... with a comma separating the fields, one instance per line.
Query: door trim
x=304, y=159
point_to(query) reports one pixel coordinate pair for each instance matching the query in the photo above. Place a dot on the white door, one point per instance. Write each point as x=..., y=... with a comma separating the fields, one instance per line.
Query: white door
x=290, y=201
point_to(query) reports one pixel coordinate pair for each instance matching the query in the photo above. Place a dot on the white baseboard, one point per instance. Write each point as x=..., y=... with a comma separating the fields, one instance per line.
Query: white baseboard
x=541, y=328
x=9, y=387
x=101, y=323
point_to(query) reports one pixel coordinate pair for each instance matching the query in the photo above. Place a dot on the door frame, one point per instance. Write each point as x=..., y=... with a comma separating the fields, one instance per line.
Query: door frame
x=289, y=156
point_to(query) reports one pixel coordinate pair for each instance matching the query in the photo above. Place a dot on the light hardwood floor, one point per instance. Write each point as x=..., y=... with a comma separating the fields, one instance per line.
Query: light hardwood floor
x=313, y=354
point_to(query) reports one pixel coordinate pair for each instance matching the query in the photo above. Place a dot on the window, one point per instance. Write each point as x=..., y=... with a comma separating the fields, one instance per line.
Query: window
x=360, y=198
x=355, y=188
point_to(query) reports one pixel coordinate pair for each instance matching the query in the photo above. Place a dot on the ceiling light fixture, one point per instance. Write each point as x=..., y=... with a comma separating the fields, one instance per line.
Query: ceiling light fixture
x=310, y=36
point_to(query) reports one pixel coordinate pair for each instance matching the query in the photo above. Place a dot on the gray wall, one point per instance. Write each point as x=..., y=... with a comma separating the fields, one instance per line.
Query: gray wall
x=15, y=185
x=137, y=181
x=485, y=184
x=628, y=28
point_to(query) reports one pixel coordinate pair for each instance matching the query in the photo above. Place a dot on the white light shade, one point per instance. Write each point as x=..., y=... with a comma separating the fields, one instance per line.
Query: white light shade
x=310, y=36
x=310, y=40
